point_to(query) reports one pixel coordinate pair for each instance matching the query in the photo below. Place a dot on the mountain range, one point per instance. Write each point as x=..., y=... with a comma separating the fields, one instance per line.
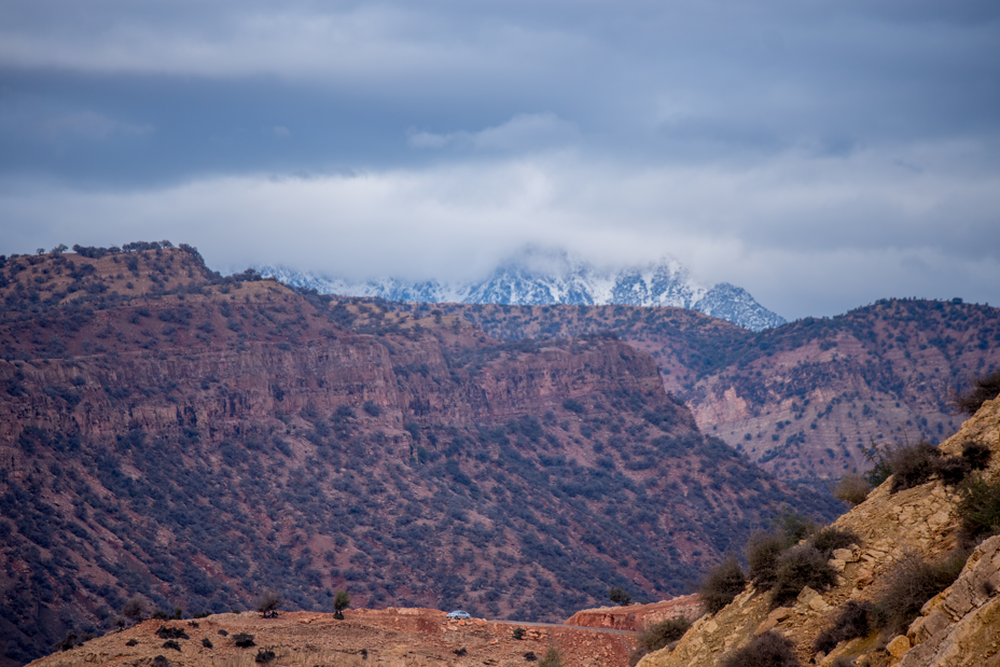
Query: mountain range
x=194, y=439
x=536, y=277
x=802, y=399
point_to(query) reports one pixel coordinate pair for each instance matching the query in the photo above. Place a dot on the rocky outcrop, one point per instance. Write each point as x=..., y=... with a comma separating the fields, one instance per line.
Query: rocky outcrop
x=957, y=627
x=961, y=626
x=636, y=617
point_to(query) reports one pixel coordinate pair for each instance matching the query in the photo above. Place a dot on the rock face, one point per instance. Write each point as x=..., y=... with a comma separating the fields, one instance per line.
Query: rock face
x=169, y=433
x=800, y=399
x=637, y=617
x=957, y=627
x=961, y=626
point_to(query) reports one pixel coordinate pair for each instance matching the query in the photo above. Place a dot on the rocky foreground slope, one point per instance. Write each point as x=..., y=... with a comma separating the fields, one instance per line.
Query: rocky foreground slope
x=958, y=627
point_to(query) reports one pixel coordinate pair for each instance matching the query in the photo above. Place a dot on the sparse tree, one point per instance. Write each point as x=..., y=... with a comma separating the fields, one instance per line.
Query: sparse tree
x=268, y=603
x=620, y=596
x=134, y=609
x=341, y=601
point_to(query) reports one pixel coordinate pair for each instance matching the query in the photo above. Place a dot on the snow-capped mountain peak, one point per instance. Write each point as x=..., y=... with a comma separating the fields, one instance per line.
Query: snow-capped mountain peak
x=541, y=278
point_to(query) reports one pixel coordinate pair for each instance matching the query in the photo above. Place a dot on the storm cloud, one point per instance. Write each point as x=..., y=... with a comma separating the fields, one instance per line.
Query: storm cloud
x=822, y=155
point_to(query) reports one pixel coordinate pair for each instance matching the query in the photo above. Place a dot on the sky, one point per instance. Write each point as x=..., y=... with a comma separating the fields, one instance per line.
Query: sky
x=820, y=154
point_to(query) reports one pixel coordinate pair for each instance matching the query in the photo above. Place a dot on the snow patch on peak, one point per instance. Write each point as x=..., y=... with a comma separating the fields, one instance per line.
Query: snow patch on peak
x=543, y=277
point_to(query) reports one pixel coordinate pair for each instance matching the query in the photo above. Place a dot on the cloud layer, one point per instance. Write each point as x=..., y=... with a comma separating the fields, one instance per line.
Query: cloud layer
x=822, y=155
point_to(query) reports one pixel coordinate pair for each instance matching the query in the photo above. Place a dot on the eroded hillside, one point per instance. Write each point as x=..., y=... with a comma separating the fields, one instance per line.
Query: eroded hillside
x=194, y=439
x=800, y=399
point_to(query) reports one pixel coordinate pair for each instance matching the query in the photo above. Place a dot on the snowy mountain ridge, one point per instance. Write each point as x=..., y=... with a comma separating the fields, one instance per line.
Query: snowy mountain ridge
x=535, y=278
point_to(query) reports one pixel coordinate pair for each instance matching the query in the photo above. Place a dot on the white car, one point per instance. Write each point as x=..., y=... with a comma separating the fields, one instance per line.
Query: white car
x=459, y=614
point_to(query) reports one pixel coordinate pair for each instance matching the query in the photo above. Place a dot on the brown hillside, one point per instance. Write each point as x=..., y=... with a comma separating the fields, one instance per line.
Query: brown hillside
x=388, y=637
x=800, y=399
x=194, y=439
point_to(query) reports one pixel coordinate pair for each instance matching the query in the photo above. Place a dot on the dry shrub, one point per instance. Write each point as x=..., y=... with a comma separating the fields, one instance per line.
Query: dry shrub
x=766, y=650
x=853, y=621
x=799, y=567
x=722, y=585
x=982, y=389
x=911, y=583
x=658, y=636
x=979, y=509
x=913, y=465
x=828, y=539
x=763, y=551
x=977, y=454
x=852, y=489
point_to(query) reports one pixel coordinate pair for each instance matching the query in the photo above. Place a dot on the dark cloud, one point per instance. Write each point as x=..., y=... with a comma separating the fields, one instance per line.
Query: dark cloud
x=852, y=145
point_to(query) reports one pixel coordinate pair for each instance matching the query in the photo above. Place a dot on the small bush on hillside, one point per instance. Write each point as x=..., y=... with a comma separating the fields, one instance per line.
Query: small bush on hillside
x=341, y=601
x=799, y=567
x=661, y=634
x=134, y=609
x=658, y=636
x=69, y=642
x=518, y=633
x=881, y=465
x=722, y=585
x=913, y=465
x=766, y=650
x=853, y=621
x=793, y=526
x=979, y=510
x=171, y=633
x=552, y=658
x=911, y=583
x=170, y=643
x=206, y=642
x=952, y=470
x=620, y=596
x=268, y=603
x=243, y=640
x=977, y=454
x=829, y=539
x=852, y=489
x=763, y=551
x=983, y=389
x=265, y=657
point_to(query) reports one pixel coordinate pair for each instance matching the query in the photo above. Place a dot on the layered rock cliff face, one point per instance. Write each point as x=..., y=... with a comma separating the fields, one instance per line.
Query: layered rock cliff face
x=800, y=399
x=957, y=627
x=637, y=617
x=195, y=440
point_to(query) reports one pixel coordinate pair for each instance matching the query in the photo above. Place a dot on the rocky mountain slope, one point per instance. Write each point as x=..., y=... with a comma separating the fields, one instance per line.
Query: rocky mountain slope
x=537, y=278
x=959, y=626
x=194, y=439
x=800, y=399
